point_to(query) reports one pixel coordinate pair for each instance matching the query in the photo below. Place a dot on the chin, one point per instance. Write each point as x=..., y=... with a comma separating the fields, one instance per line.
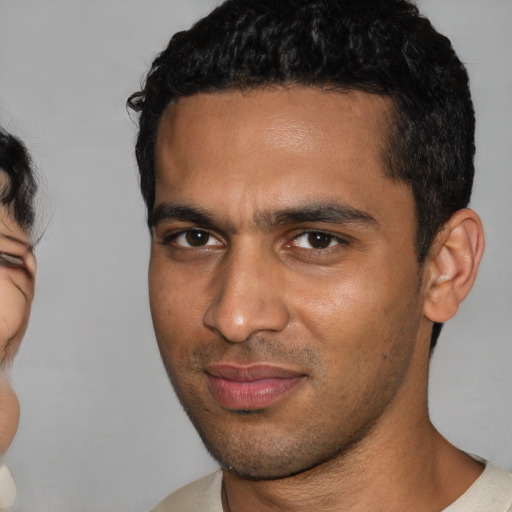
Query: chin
x=257, y=458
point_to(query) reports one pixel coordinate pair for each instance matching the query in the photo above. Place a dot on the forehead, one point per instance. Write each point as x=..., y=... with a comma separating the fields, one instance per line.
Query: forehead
x=266, y=148
x=290, y=115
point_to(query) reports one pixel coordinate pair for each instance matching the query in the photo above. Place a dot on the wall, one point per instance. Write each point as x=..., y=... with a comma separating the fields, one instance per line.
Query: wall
x=101, y=429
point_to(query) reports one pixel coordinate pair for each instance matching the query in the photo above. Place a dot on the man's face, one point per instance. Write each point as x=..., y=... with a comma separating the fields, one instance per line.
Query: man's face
x=17, y=276
x=284, y=284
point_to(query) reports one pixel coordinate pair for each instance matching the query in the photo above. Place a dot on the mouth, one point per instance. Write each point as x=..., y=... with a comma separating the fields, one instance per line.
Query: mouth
x=250, y=388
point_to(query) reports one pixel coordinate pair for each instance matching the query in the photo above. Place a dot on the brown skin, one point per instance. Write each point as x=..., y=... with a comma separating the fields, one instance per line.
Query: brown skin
x=17, y=278
x=351, y=316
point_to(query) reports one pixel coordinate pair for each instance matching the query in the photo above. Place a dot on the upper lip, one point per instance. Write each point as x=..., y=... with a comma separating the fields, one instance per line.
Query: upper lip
x=250, y=373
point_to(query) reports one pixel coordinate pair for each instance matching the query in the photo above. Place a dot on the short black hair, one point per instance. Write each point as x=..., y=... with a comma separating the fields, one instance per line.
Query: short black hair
x=18, y=189
x=383, y=47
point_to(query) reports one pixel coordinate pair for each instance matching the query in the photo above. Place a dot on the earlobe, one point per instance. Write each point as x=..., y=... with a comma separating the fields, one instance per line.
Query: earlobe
x=452, y=265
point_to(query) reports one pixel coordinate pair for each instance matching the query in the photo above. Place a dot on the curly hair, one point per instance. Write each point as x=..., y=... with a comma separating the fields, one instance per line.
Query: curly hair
x=18, y=190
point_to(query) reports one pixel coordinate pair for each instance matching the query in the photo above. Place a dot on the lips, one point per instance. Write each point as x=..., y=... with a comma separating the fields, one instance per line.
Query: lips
x=252, y=387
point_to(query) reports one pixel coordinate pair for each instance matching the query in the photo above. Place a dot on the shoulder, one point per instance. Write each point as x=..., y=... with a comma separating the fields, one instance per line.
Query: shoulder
x=492, y=491
x=203, y=495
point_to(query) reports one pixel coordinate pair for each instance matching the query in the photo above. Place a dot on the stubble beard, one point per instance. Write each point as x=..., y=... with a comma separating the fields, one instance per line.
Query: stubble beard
x=257, y=453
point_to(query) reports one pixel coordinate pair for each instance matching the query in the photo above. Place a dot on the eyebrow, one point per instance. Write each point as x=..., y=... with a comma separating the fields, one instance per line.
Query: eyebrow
x=329, y=213
x=165, y=211
x=17, y=240
x=332, y=213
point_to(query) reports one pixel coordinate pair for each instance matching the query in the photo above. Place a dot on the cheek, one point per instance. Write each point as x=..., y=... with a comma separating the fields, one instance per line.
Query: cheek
x=13, y=318
x=177, y=308
x=364, y=330
x=359, y=308
x=9, y=414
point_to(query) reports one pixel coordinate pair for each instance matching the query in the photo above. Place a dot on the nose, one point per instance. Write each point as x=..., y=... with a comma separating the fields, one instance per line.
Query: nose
x=248, y=298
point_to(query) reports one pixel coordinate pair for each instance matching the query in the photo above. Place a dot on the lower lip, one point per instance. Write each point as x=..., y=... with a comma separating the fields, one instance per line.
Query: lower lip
x=253, y=395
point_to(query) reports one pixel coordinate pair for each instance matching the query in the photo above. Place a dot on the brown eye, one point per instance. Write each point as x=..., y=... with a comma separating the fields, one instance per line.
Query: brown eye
x=194, y=239
x=197, y=238
x=316, y=240
x=319, y=240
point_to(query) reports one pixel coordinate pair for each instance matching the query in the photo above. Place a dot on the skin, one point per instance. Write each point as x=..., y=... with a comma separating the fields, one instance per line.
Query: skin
x=267, y=275
x=17, y=277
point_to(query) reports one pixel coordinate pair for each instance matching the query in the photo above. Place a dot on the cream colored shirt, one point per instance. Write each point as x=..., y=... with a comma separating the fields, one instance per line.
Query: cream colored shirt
x=7, y=488
x=491, y=492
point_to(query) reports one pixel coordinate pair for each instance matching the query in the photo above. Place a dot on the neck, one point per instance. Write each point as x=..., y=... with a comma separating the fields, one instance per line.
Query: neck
x=433, y=478
x=402, y=464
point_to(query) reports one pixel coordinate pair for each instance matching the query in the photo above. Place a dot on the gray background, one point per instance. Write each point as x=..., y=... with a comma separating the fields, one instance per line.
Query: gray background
x=101, y=429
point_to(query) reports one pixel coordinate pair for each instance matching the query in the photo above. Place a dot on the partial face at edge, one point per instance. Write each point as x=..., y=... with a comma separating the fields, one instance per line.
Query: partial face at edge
x=284, y=283
x=17, y=277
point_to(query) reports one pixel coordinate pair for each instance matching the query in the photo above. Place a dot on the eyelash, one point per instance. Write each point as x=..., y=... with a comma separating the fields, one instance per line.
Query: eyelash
x=330, y=236
x=172, y=238
x=11, y=260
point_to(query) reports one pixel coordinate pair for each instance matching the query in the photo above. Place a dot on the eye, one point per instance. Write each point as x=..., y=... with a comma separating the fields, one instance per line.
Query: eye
x=10, y=260
x=316, y=240
x=194, y=238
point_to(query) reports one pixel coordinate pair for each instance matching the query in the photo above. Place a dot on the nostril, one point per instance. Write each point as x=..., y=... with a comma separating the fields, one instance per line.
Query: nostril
x=238, y=321
x=231, y=325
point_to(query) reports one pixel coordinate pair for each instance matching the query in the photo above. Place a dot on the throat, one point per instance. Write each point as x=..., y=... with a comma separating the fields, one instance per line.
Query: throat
x=411, y=478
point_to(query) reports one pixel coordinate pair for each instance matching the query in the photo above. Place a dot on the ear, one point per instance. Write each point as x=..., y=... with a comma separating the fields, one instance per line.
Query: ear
x=452, y=265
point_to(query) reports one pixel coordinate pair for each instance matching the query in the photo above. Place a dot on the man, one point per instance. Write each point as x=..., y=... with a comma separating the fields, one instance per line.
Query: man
x=17, y=276
x=307, y=165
